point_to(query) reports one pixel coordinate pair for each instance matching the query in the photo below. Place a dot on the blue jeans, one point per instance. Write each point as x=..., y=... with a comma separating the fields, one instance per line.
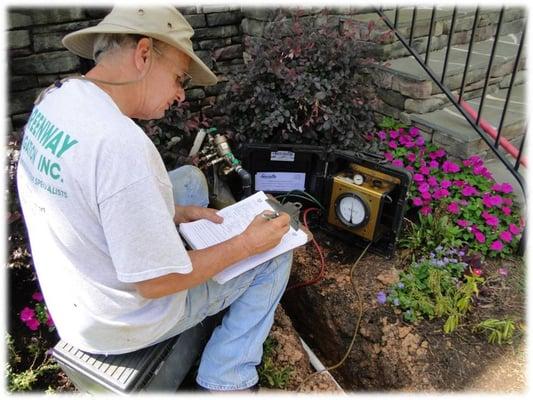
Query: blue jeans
x=236, y=345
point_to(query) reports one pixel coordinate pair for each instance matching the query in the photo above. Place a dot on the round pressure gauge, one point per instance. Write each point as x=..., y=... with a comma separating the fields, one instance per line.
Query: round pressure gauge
x=358, y=179
x=352, y=210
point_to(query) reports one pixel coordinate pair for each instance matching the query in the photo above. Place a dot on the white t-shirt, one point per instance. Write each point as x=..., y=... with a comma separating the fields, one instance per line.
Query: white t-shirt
x=99, y=209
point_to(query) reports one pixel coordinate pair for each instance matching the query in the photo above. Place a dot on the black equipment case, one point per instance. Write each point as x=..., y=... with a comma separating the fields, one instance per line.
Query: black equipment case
x=325, y=174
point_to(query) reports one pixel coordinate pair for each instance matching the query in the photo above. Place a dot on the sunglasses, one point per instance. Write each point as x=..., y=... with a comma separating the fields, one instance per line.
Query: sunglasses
x=182, y=80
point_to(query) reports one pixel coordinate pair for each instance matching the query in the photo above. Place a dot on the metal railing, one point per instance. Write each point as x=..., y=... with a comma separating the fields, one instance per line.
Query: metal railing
x=492, y=137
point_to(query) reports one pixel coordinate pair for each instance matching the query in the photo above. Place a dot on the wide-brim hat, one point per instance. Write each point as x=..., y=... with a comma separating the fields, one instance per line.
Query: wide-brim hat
x=163, y=23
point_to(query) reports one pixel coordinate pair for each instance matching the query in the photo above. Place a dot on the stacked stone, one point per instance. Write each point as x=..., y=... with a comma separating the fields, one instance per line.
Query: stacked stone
x=37, y=58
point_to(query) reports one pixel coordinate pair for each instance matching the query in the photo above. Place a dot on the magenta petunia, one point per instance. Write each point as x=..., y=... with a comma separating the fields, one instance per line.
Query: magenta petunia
x=463, y=223
x=432, y=181
x=410, y=168
x=425, y=195
x=506, y=188
x=433, y=164
x=425, y=170
x=394, y=134
x=417, y=201
x=27, y=313
x=459, y=183
x=469, y=191
x=480, y=237
x=418, y=178
x=420, y=141
x=450, y=167
x=496, y=245
x=414, y=131
x=515, y=230
x=440, y=153
x=388, y=156
x=440, y=193
x=475, y=160
x=426, y=210
x=33, y=324
x=382, y=135
x=411, y=157
x=478, y=170
x=445, y=184
x=393, y=144
x=38, y=296
x=507, y=201
x=423, y=187
x=491, y=220
x=453, y=208
x=409, y=145
x=506, y=211
x=397, y=163
x=506, y=236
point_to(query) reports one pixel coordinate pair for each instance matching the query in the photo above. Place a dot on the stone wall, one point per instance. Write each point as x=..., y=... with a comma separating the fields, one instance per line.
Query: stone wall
x=37, y=57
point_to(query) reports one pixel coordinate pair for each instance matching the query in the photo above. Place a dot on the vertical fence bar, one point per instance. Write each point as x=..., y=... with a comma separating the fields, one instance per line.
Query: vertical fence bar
x=519, y=156
x=476, y=17
x=491, y=61
x=511, y=83
x=448, y=48
x=411, y=34
x=430, y=34
x=396, y=17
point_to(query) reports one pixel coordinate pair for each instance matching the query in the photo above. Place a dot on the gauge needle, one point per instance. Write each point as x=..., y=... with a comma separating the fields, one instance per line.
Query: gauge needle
x=351, y=211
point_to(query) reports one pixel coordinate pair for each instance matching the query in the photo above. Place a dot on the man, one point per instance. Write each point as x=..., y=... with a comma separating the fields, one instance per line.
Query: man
x=101, y=209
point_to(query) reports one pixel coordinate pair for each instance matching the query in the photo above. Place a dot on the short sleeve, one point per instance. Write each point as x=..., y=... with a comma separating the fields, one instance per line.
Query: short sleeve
x=142, y=239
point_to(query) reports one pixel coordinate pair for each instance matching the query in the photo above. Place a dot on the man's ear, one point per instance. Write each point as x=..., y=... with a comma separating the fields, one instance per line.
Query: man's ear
x=143, y=52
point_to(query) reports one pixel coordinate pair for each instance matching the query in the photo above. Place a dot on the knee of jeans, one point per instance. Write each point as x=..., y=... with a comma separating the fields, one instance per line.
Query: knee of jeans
x=283, y=264
x=189, y=186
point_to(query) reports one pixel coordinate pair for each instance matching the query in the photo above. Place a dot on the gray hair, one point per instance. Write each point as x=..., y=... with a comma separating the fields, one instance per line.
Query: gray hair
x=106, y=42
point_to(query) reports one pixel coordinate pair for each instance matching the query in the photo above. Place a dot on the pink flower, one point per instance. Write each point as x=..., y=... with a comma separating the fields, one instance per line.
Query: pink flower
x=393, y=144
x=491, y=201
x=469, y=191
x=394, y=134
x=27, y=314
x=424, y=170
x=506, y=188
x=478, y=170
x=49, y=320
x=454, y=208
x=480, y=237
x=417, y=201
x=409, y=145
x=397, y=163
x=38, y=296
x=507, y=201
x=506, y=236
x=382, y=135
x=433, y=164
x=506, y=211
x=459, y=183
x=388, y=156
x=404, y=139
x=463, y=223
x=450, y=167
x=423, y=187
x=33, y=324
x=490, y=219
x=496, y=245
x=425, y=195
x=410, y=168
x=414, y=131
x=440, y=153
x=433, y=181
x=411, y=157
x=477, y=271
x=445, y=184
x=425, y=210
x=439, y=194
x=418, y=177
x=475, y=160
x=420, y=141
x=515, y=230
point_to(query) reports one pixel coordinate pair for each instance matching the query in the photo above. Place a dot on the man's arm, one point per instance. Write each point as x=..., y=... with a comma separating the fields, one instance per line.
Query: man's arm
x=261, y=235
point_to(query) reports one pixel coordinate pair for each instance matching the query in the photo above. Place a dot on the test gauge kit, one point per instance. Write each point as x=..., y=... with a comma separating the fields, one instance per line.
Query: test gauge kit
x=363, y=195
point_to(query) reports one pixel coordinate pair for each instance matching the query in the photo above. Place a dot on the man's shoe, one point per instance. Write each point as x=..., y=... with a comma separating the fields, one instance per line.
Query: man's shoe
x=251, y=389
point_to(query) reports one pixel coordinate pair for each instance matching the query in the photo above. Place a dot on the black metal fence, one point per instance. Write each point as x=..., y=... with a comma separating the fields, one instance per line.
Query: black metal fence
x=492, y=136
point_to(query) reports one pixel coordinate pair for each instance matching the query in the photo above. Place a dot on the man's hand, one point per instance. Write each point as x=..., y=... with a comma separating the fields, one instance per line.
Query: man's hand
x=194, y=213
x=263, y=234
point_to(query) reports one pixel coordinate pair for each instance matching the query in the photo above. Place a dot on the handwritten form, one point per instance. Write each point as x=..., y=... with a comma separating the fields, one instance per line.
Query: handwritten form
x=203, y=233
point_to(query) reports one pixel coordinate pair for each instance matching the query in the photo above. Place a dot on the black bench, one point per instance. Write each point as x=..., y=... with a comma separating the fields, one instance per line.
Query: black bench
x=161, y=367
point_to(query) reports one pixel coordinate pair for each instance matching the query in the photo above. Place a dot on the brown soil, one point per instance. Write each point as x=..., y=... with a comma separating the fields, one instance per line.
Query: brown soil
x=391, y=355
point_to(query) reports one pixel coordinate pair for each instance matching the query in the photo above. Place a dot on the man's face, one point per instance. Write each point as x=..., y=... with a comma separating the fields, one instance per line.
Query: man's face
x=164, y=83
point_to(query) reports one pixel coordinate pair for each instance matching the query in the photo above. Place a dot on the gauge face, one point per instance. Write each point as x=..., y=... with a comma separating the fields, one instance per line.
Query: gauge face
x=358, y=179
x=352, y=210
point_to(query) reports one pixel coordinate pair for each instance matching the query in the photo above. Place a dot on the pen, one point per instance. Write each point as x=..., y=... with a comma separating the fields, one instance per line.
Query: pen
x=270, y=215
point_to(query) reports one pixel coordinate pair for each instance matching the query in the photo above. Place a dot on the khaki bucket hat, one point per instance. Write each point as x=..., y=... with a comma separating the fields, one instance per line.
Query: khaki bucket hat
x=163, y=23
